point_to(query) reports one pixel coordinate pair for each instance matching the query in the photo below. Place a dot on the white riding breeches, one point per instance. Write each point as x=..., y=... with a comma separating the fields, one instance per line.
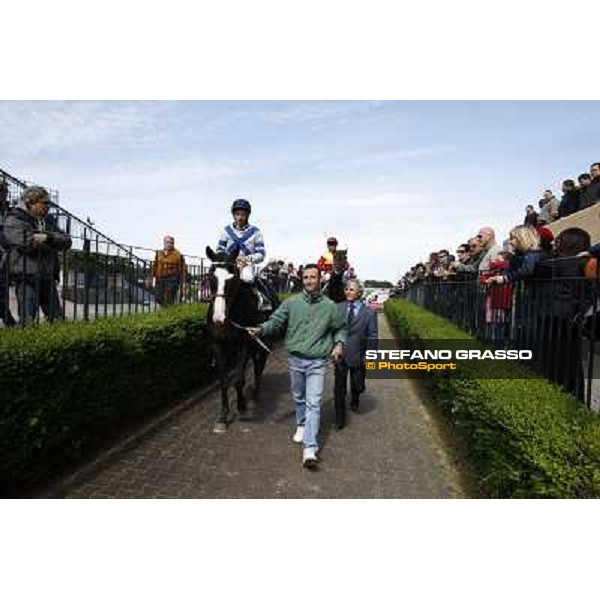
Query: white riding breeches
x=248, y=273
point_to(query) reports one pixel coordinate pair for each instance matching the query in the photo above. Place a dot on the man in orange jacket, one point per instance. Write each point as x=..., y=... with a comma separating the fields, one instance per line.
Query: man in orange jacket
x=169, y=271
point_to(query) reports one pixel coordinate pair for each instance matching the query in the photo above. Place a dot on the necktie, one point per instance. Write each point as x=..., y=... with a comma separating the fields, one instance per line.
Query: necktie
x=351, y=311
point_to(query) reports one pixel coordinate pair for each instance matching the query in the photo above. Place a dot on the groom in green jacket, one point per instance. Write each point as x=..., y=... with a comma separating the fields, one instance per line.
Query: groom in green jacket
x=314, y=330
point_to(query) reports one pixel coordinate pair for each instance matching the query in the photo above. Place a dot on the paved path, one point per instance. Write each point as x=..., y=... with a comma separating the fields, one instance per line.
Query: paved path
x=389, y=450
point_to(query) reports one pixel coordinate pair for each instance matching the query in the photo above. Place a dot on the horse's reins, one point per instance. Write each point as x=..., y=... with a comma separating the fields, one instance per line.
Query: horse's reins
x=257, y=340
x=237, y=325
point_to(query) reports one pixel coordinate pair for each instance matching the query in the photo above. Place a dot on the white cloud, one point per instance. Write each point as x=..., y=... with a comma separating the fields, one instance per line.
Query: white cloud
x=374, y=159
x=32, y=128
x=318, y=114
x=138, y=200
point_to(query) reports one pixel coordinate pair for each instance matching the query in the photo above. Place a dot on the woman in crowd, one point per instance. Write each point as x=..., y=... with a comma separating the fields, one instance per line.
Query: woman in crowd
x=525, y=243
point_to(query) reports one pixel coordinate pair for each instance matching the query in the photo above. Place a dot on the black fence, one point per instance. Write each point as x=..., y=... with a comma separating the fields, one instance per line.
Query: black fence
x=555, y=316
x=93, y=277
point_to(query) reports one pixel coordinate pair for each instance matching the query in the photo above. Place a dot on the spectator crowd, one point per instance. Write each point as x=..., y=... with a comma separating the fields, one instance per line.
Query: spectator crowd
x=482, y=253
x=536, y=289
x=282, y=277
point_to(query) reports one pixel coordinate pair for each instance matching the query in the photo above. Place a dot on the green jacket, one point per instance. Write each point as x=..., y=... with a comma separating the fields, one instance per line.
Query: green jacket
x=312, y=325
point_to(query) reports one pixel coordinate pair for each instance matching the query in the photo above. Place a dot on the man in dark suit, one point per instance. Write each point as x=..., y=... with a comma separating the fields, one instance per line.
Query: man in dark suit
x=362, y=324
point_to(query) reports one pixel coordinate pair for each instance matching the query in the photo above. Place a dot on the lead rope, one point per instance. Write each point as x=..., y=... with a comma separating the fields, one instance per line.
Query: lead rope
x=257, y=340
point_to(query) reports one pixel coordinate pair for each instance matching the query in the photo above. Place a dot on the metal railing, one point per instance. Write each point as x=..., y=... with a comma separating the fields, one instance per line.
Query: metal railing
x=94, y=282
x=555, y=316
x=94, y=277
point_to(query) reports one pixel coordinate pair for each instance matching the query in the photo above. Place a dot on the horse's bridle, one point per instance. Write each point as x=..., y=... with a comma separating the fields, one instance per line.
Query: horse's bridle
x=221, y=264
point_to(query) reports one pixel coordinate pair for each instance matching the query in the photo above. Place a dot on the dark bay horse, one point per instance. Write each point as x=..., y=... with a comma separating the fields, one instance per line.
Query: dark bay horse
x=233, y=306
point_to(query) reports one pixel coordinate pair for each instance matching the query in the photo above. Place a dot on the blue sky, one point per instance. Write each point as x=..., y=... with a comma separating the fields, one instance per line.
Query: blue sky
x=392, y=180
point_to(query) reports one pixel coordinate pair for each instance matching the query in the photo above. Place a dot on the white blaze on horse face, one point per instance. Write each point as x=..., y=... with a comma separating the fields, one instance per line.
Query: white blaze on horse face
x=219, y=312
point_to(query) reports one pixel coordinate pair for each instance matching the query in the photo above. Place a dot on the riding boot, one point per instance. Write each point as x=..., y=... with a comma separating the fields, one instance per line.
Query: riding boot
x=264, y=303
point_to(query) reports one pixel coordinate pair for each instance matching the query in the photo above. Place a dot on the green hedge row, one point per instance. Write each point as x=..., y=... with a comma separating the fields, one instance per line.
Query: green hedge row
x=66, y=387
x=528, y=437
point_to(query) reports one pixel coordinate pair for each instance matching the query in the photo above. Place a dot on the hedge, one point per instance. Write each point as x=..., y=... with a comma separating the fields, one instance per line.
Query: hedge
x=529, y=438
x=67, y=387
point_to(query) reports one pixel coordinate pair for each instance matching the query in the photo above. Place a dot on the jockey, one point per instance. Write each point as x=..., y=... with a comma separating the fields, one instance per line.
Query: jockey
x=249, y=240
x=326, y=262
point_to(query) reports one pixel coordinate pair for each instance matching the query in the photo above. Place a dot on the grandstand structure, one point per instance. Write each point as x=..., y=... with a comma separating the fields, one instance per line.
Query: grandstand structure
x=587, y=219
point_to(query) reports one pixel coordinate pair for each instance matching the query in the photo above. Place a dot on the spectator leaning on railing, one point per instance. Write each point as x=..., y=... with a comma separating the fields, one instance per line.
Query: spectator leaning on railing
x=546, y=240
x=441, y=268
x=526, y=243
x=497, y=299
x=34, y=240
x=563, y=299
x=489, y=248
x=471, y=265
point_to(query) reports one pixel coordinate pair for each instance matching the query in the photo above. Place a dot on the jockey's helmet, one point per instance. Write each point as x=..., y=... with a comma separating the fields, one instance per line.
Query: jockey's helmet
x=241, y=204
x=331, y=241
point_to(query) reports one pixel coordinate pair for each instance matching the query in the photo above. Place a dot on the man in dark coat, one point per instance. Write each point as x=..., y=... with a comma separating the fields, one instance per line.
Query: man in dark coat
x=562, y=298
x=34, y=240
x=5, y=314
x=362, y=325
x=569, y=203
x=587, y=192
x=594, y=187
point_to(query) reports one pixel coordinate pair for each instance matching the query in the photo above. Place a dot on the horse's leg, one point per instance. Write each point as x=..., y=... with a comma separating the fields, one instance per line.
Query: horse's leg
x=223, y=419
x=259, y=357
x=240, y=380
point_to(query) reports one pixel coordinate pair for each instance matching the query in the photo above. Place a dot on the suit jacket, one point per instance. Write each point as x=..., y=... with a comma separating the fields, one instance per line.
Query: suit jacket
x=364, y=326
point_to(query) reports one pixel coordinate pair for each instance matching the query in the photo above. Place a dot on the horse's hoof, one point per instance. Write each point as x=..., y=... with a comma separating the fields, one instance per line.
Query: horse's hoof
x=220, y=428
x=246, y=415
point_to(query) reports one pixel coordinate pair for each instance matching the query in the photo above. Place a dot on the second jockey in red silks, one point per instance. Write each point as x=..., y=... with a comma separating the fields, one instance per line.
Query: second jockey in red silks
x=249, y=240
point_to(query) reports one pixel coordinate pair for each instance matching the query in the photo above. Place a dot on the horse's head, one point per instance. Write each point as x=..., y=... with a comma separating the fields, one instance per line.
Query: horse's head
x=224, y=280
x=339, y=260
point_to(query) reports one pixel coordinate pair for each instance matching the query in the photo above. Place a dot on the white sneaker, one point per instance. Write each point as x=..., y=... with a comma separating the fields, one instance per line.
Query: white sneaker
x=309, y=458
x=299, y=435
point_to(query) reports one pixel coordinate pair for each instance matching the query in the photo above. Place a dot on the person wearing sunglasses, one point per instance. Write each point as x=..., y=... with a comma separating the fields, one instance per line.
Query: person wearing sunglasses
x=463, y=253
x=471, y=264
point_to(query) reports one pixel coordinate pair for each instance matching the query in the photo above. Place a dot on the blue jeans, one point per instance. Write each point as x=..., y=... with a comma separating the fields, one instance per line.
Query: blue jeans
x=307, y=376
x=33, y=295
